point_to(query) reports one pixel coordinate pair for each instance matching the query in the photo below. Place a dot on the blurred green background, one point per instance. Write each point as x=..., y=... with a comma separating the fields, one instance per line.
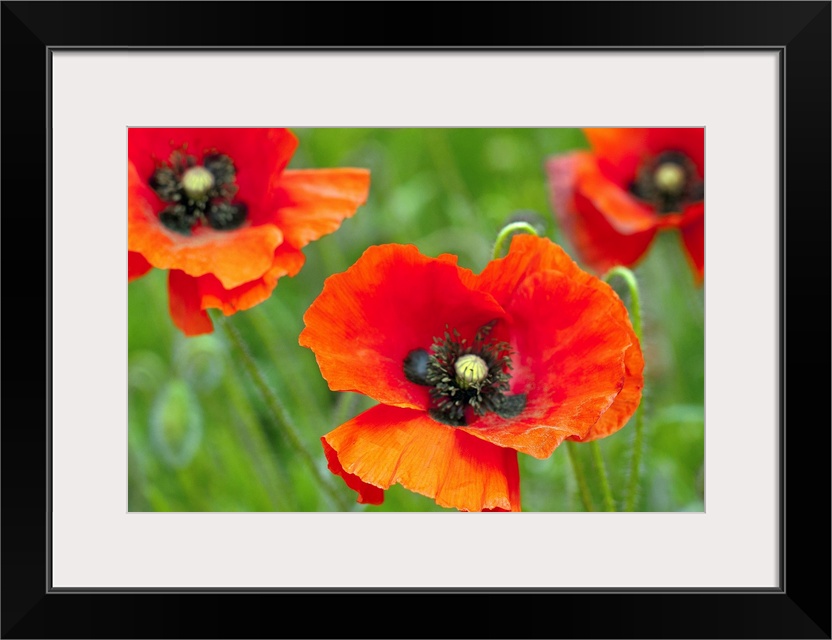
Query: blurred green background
x=202, y=439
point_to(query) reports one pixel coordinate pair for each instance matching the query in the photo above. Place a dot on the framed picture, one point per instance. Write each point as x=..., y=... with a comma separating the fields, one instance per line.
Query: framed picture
x=91, y=521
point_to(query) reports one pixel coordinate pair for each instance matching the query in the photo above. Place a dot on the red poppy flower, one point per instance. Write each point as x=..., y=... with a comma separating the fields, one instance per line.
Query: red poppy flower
x=469, y=369
x=611, y=201
x=218, y=209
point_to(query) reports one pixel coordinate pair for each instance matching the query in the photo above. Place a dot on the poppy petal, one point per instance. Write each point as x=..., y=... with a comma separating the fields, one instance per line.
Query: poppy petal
x=626, y=402
x=623, y=212
x=595, y=240
x=367, y=493
x=389, y=445
x=693, y=237
x=137, y=266
x=391, y=301
x=689, y=141
x=627, y=148
x=312, y=203
x=287, y=262
x=528, y=255
x=570, y=342
x=234, y=257
x=185, y=306
x=579, y=173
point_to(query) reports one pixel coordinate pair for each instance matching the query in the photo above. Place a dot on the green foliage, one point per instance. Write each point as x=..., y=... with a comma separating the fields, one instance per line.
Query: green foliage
x=200, y=438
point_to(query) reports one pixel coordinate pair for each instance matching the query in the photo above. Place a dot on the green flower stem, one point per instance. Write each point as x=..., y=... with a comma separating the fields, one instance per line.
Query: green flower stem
x=635, y=300
x=672, y=259
x=598, y=459
x=583, y=487
x=276, y=486
x=506, y=233
x=280, y=417
x=638, y=439
x=635, y=462
x=260, y=323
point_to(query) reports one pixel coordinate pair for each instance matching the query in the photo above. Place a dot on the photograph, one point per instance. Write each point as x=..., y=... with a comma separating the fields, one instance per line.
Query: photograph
x=416, y=319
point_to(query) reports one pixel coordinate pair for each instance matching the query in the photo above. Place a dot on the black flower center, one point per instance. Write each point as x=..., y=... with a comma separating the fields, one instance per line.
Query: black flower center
x=198, y=193
x=462, y=374
x=668, y=182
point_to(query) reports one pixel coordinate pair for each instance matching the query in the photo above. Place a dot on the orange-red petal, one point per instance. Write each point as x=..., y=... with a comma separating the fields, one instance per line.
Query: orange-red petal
x=627, y=148
x=185, y=304
x=389, y=445
x=367, y=493
x=287, y=262
x=313, y=202
x=626, y=215
x=570, y=342
x=137, y=266
x=391, y=301
x=526, y=256
x=597, y=241
x=693, y=238
x=624, y=149
x=626, y=402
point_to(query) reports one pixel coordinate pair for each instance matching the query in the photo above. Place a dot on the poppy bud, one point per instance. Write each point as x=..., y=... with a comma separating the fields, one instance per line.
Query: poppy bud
x=416, y=366
x=176, y=423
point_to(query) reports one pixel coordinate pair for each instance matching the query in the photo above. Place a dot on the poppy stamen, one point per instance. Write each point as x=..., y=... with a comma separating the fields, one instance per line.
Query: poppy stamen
x=668, y=182
x=198, y=193
x=464, y=374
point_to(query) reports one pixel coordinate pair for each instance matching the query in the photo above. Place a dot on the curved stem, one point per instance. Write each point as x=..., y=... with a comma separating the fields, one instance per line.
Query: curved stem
x=635, y=300
x=638, y=438
x=598, y=459
x=279, y=415
x=506, y=233
x=635, y=462
x=583, y=487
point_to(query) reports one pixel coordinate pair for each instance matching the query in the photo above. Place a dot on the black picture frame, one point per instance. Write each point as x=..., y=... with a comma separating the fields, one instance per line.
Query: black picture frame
x=799, y=608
